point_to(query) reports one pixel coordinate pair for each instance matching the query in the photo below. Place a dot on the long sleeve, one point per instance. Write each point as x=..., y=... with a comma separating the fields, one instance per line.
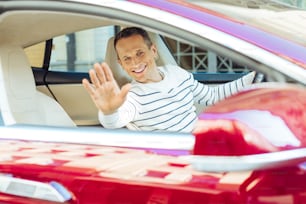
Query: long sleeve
x=121, y=118
x=168, y=105
x=209, y=95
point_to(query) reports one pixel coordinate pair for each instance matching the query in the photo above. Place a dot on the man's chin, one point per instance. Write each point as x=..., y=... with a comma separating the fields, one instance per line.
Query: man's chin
x=140, y=80
x=139, y=77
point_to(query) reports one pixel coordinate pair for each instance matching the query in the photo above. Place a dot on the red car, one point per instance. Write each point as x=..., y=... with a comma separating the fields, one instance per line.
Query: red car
x=248, y=148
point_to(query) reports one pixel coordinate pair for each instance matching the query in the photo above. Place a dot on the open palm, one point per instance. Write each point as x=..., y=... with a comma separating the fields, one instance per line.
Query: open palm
x=104, y=90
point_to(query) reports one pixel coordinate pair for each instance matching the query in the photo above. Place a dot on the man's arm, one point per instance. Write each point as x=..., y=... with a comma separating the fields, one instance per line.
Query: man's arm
x=121, y=118
x=209, y=95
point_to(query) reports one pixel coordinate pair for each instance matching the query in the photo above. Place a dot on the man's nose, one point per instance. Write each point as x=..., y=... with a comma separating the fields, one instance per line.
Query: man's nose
x=135, y=61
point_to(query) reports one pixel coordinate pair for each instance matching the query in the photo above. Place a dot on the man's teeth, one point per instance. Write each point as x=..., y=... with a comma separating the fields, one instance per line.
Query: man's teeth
x=139, y=70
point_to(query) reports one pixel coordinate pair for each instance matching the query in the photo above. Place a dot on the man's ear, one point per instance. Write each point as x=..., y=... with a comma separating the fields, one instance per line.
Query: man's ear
x=154, y=50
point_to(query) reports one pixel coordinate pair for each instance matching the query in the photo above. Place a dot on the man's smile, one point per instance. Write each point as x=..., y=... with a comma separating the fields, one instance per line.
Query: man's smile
x=140, y=69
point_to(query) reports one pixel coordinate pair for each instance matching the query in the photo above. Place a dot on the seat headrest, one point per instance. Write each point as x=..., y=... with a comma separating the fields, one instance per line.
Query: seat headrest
x=111, y=59
x=16, y=71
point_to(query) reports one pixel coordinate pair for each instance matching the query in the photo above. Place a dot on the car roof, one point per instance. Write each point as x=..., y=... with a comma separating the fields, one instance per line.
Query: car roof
x=73, y=18
x=271, y=16
x=220, y=17
x=284, y=21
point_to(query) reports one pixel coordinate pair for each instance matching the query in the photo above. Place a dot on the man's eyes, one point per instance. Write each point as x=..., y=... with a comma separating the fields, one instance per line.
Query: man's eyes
x=127, y=59
x=140, y=53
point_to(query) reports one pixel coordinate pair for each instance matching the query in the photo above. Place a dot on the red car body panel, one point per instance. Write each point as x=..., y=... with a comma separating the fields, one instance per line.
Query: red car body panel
x=95, y=174
x=254, y=121
x=102, y=174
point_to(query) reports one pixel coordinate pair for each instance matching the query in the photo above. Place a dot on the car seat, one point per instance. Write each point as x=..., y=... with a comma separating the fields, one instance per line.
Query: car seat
x=20, y=102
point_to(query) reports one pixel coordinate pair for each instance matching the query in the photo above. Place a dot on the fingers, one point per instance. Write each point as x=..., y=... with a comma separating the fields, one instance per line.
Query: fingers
x=99, y=72
x=94, y=78
x=107, y=72
x=103, y=73
x=99, y=75
x=258, y=78
x=88, y=86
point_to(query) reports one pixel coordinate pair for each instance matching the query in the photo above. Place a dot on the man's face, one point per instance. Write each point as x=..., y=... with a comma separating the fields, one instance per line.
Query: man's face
x=137, y=59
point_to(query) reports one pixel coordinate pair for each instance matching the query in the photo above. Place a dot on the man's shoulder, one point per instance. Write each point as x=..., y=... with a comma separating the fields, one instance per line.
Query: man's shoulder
x=175, y=71
x=138, y=89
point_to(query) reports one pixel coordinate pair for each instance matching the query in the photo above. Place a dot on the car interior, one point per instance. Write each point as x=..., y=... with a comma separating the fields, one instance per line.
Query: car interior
x=25, y=104
x=38, y=95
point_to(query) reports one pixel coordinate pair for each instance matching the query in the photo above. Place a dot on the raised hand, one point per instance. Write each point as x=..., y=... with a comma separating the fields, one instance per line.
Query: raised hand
x=104, y=90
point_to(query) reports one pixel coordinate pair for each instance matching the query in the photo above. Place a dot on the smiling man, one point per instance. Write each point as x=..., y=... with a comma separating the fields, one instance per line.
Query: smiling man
x=158, y=98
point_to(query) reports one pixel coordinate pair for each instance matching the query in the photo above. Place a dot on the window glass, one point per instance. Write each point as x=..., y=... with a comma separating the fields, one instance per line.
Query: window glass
x=77, y=52
x=196, y=59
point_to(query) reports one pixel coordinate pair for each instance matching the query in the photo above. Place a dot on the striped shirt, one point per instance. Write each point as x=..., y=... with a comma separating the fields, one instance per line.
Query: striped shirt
x=168, y=105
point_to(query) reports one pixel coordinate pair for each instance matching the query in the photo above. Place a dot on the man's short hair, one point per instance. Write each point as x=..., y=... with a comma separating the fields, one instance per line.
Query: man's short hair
x=130, y=31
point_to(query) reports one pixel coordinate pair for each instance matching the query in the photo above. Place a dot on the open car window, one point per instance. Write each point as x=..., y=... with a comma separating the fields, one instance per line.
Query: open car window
x=60, y=64
x=77, y=52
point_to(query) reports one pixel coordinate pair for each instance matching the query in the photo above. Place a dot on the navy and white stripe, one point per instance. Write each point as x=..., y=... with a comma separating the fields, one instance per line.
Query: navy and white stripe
x=169, y=104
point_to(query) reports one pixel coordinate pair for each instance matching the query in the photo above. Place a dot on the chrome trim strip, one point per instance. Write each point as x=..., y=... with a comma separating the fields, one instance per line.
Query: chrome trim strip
x=100, y=136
